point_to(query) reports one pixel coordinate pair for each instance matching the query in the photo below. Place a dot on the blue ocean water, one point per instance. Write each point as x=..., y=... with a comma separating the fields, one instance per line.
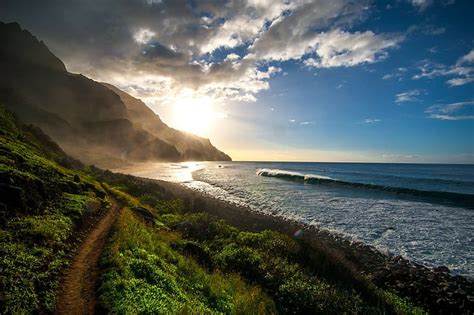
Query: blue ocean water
x=422, y=212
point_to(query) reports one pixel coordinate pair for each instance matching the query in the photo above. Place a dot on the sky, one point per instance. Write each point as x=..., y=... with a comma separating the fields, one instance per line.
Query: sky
x=355, y=81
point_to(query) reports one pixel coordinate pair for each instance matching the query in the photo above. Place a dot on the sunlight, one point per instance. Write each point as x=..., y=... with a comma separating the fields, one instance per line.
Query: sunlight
x=194, y=115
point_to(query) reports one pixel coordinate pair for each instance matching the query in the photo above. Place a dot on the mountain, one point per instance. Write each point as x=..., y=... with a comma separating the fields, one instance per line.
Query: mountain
x=190, y=146
x=94, y=122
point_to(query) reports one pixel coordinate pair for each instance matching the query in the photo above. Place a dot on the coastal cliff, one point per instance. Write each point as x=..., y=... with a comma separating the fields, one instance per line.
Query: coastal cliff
x=96, y=123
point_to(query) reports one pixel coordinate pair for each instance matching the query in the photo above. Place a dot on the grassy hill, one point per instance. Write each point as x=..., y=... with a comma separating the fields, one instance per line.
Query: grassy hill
x=159, y=258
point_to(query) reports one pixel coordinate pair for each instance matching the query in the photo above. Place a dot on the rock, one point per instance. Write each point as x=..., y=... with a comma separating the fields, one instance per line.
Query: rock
x=441, y=269
x=145, y=214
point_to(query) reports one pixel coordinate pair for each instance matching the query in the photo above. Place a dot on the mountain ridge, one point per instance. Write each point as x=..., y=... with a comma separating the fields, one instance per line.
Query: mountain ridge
x=184, y=142
x=87, y=118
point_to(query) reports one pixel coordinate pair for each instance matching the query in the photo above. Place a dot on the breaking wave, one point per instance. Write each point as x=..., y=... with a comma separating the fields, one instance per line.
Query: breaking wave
x=452, y=198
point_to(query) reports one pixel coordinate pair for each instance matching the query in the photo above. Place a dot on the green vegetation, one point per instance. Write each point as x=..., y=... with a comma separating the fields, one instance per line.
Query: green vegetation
x=43, y=202
x=146, y=275
x=296, y=278
x=159, y=258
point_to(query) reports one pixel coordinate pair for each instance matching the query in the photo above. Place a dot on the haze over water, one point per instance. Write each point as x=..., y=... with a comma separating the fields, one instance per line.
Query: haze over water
x=422, y=212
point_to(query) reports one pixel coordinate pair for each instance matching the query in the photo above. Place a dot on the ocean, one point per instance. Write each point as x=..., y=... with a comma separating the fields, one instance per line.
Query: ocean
x=423, y=212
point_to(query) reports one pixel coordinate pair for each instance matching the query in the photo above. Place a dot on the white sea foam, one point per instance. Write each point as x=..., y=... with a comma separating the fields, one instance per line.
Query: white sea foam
x=277, y=172
x=282, y=173
x=311, y=176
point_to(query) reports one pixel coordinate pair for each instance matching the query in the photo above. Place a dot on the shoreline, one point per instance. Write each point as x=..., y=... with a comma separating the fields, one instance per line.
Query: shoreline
x=431, y=288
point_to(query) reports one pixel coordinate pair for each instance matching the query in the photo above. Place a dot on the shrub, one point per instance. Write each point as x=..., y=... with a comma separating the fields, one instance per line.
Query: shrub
x=144, y=274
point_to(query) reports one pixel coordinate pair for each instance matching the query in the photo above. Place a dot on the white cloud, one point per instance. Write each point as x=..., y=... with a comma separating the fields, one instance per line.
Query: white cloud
x=398, y=73
x=400, y=157
x=449, y=108
x=311, y=62
x=409, y=96
x=433, y=30
x=437, y=31
x=244, y=24
x=232, y=57
x=143, y=36
x=448, y=117
x=460, y=81
x=371, y=120
x=447, y=2
x=338, y=48
x=452, y=111
x=467, y=59
x=301, y=123
x=462, y=72
x=421, y=5
x=335, y=48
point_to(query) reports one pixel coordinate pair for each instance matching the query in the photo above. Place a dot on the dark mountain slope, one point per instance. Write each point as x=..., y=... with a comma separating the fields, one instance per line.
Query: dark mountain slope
x=90, y=121
x=190, y=146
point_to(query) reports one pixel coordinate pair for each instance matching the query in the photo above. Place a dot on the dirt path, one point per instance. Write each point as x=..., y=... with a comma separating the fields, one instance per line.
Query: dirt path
x=78, y=294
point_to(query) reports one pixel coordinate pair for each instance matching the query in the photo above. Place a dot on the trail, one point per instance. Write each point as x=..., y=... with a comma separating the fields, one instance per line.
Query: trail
x=78, y=294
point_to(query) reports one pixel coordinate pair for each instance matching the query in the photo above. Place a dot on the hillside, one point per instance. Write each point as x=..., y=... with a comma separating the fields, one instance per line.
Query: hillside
x=159, y=255
x=92, y=122
x=190, y=146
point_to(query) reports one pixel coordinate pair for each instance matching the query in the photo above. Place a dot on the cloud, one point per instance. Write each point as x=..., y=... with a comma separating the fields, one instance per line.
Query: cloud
x=460, y=81
x=301, y=123
x=433, y=50
x=409, y=96
x=398, y=73
x=344, y=49
x=143, y=36
x=452, y=111
x=447, y=2
x=162, y=50
x=371, y=120
x=449, y=117
x=400, y=156
x=421, y=5
x=433, y=30
x=467, y=59
x=462, y=71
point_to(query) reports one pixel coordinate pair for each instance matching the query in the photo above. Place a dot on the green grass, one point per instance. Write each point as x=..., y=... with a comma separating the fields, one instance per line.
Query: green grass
x=271, y=261
x=43, y=202
x=29, y=276
x=34, y=254
x=268, y=259
x=146, y=275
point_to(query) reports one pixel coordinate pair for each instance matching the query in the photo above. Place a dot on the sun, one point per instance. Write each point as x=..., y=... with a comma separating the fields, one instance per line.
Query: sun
x=194, y=115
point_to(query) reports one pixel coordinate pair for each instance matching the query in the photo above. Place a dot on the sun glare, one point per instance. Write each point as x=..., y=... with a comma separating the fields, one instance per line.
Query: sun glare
x=193, y=115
